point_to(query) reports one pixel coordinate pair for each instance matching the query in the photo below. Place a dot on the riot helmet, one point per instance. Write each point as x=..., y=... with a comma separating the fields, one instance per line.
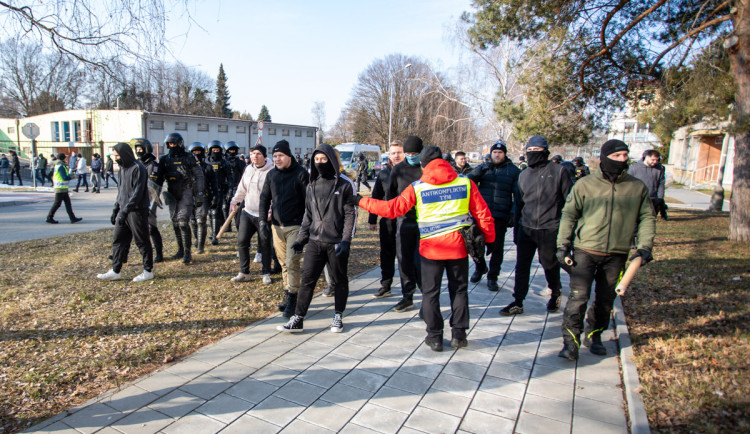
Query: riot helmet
x=578, y=161
x=198, y=146
x=175, y=138
x=148, y=148
x=213, y=145
x=557, y=159
x=231, y=146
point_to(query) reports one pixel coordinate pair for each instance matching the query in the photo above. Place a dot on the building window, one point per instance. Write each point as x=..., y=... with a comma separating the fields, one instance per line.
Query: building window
x=272, y=131
x=240, y=129
x=309, y=133
x=223, y=128
x=77, y=130
x=66, y=131
x=180, y=126
x=255, y=130
x=156, y=125
x=55, y=129
x=202, y=127
x=297, y=150
x=285, y=131
x=11, y=130
x=629, y=127
x=297, y=133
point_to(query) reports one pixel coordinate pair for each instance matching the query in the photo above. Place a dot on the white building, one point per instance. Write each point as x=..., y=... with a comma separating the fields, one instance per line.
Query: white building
x=639, y=138
x=695, y=154
x=90, y=131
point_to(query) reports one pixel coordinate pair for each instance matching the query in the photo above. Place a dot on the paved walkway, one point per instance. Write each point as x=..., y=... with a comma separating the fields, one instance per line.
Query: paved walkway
x=377, y=376
x=690, y=199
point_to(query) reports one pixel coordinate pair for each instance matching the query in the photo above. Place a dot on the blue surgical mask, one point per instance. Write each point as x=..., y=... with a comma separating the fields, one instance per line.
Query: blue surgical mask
x=413, y=160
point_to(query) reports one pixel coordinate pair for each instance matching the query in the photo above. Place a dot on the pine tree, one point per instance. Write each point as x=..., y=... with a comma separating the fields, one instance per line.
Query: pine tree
x=264, y=115
x=221, y=107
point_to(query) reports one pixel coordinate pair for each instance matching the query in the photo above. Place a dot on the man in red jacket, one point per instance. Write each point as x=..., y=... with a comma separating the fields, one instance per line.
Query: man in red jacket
x=445, y=202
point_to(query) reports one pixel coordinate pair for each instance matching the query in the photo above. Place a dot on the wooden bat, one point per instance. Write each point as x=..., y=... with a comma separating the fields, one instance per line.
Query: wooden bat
x=628, y=276
x=228, y=222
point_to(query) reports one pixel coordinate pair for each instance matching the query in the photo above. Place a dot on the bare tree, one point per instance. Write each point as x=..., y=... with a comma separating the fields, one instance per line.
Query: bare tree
x=319, y=115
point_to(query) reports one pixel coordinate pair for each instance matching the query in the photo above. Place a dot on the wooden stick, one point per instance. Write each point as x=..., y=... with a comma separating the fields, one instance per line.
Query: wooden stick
x=623, y=284
x=228, y=222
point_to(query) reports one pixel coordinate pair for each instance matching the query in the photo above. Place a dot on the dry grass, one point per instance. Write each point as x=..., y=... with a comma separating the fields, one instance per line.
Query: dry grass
x=66, y=337
x=689, y=316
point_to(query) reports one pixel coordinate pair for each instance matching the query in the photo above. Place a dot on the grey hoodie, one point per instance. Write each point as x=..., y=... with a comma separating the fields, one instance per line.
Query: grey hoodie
x=338, y=220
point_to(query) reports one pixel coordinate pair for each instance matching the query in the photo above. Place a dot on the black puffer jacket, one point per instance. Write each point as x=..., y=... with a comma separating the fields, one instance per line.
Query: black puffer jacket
x=382, y=184
x=498, y=185
x=402, y=175
x=284, y=192
x=328, y=219
x=542, y=192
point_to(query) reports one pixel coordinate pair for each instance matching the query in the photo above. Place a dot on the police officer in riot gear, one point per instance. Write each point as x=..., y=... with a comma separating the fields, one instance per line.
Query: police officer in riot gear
x=184, y=190
x=237, y=166
x=223, y=174
x=145, y=152
x=211, y=196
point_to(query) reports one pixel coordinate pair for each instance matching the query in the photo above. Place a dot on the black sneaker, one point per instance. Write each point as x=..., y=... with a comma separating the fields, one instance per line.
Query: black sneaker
x=554, y=303
x=478, y=273
x=492, y=285
x=295, y=325
x=434, y=344
x=404, y=305
x=459, y=343
x=382, y=292
x=337, y=326
x=284, y=302
x=76, y=219
x=514, y=308
x=593, y=341
x=52, y=221
x=569, y=351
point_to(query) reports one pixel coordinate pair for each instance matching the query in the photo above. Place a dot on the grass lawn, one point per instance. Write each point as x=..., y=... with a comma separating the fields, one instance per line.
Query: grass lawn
x=689, y=318
x=66, y=337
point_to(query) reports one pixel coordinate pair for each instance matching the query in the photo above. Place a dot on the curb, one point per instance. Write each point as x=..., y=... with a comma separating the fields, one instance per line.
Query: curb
x=636, y=408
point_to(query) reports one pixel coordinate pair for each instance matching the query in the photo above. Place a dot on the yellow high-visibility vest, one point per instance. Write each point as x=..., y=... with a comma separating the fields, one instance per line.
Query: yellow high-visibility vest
x=442, y=208
x=58, y=180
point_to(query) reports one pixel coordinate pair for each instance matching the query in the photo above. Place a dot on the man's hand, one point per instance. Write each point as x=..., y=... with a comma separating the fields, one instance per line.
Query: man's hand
x=645, y=255
x=297, y=247
x=113, y=218
x=341, y=248
x=353, y=200
x=565, y=256
x=121, y=217
x=232, y=207
x=373, y=227
x=199, y=200
x=490, y=248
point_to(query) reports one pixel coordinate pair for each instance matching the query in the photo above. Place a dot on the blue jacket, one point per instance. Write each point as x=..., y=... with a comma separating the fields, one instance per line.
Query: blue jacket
x=498, y=185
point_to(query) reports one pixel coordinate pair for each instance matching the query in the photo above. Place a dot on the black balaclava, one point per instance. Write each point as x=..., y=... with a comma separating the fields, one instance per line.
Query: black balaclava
x=175, y=151
x=326, y=170
x=610, y=168
x=536, y=158
x=140, y=153
x=125, y=153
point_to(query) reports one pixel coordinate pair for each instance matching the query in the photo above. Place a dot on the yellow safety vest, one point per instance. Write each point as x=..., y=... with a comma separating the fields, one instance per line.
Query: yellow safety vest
x=58, y=180
x=442, y=208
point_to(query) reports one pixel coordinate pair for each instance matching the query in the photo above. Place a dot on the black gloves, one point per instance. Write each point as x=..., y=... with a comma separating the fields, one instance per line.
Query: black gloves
x=353, y=200
x=644, y=254
x=121, y=217
x=490, y=248
x=297, y=247
x=341, y=248
x=115, y=211
x=199, y=200
x=564, y=253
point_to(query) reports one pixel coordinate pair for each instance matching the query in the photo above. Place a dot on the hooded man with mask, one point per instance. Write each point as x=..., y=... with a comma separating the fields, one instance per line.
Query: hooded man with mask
x=144, y=150
x=542, y=189
x=444, y=202
x=327, y=229
x=598, y=220
x=407, y=230
x=130, y=215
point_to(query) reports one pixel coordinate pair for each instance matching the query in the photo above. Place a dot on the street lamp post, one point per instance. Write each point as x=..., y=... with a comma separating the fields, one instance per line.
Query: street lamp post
x=390, y=104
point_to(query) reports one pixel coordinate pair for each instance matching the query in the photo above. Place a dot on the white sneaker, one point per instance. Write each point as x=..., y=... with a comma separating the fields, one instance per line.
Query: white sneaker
x=109, y=275
x=241, y=277
x=258, y=258
x=546, y=292
x=266, y=279
x=146, y=275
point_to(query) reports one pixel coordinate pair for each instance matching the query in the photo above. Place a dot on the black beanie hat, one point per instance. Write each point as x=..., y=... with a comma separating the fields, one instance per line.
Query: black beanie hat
x=283, y=147
x=413, y=144
x=61, y=156
x=429, y=153
x=612, y=146
x=538, y=141
x=260, y=148
x=500, y=144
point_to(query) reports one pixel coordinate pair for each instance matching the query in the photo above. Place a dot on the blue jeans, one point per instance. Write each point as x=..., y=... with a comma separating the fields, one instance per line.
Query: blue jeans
x=85, y=178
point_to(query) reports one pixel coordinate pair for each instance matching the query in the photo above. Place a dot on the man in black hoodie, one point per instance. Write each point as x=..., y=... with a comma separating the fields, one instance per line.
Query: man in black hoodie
x=543, y=188
x=15, y=167
x=407, y=238
x=284, y=194
x=130, y=215
x=328, y=226
x=145, y=152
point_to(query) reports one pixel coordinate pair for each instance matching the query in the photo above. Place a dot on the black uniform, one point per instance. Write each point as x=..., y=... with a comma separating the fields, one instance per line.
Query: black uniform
x=130, y=214
x=185, y=190
x=210, y=194
x=224, y=182
x=15, y=168
x=109, y=172
x=387, y=230
x=149, y=161
x=407, y=232
x=362, y=170
x=236, y=168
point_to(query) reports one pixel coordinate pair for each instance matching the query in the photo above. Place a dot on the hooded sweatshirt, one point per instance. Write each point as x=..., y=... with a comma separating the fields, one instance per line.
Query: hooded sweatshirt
x=250, y=187
x=132, y=193
x=328, y=218
x=446, y=246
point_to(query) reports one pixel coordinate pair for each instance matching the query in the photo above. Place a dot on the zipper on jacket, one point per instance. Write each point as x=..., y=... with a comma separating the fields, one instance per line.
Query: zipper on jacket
x=611, y=211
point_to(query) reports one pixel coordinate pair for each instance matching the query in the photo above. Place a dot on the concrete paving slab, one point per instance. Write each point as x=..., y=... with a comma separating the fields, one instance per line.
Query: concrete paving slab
x=379, y=419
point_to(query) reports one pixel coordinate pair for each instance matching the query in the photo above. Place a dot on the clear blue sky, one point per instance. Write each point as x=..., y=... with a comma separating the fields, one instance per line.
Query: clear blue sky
x=289, y=54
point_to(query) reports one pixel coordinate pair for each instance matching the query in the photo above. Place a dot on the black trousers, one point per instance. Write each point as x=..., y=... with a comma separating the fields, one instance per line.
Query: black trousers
x=605, y=271
x=317, y=255
x=135, y=227
x=496, y=258
x=458, y=284
x=407, y=248
x=387, y=251
x=248, y=227
x=529, y=242
x=362, y=179
x=61, y=198
x=17, y=172
x=108, y=175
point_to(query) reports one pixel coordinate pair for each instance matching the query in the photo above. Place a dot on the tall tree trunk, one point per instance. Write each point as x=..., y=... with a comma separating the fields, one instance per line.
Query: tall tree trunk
x=717, y=199
x=739, y=52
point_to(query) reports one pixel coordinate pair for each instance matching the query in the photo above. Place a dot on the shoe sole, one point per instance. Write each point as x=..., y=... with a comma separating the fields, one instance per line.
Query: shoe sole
x=282, y=329
x=598, y=352
x=571, y=357
x=404, y=309
x=510, y=313
x=337, y=330
x=385, y=294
